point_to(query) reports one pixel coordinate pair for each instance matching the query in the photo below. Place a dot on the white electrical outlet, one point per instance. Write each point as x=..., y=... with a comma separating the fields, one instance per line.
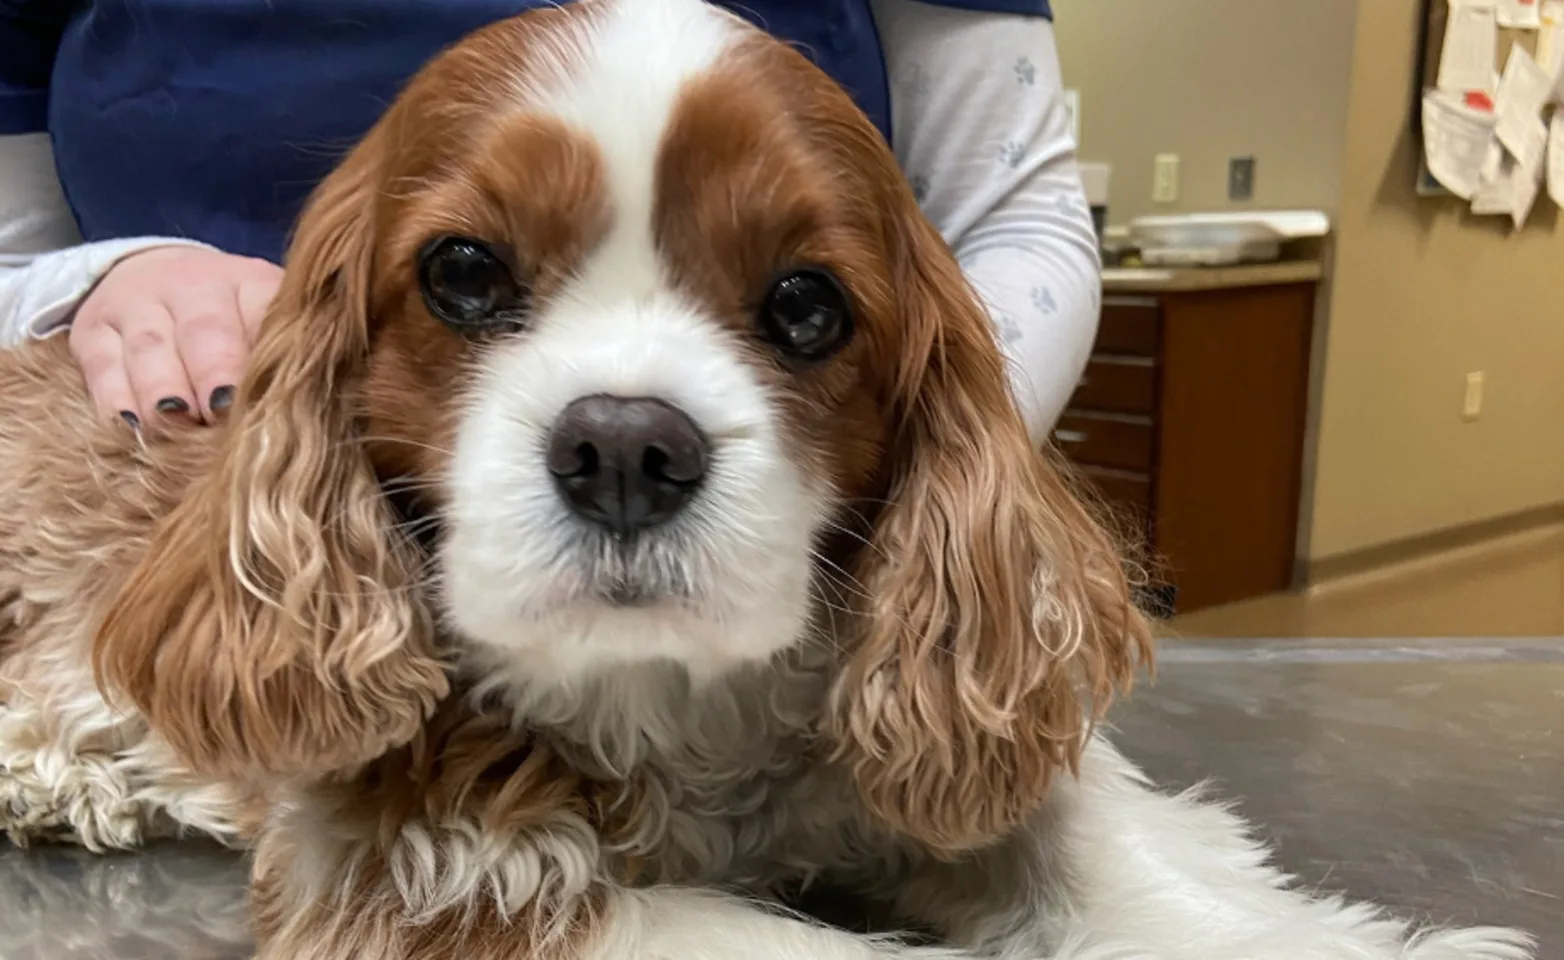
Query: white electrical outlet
x=1164, y=178
x=1472, y=404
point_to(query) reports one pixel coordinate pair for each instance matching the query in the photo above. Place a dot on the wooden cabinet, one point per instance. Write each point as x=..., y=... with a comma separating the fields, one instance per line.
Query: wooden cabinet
x=1189, y=421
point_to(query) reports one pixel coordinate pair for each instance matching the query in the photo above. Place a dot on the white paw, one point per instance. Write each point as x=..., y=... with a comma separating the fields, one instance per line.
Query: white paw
x=82, y=802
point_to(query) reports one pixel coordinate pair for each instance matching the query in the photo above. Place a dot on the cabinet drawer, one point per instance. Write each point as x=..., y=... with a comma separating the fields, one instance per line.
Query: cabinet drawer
x=1120, y=488
x=1117, y=385
x=1105, y=441
x=1123, y=504
x=1130, y=327
x=1126, y=495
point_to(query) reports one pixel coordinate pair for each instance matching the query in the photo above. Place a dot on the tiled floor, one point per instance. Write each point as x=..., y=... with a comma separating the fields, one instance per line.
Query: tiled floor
x=1513, y=588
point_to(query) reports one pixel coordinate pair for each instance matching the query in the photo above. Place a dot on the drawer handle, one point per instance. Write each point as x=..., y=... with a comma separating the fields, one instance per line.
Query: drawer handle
x=1070, y=436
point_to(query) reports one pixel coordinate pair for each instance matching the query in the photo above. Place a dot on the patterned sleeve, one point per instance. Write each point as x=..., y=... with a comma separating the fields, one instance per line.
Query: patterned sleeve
x=981, y=129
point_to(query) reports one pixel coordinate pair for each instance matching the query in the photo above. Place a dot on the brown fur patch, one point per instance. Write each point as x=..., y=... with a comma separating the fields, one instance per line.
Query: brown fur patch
x=756, y=176
x=533, y=191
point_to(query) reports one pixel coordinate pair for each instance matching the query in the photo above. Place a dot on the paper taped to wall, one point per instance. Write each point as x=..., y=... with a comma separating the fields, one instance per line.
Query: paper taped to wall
x=1525, y=85
x=1456, y=138
x=1523, y=93
x=1488, y=138
x=1527, y=143
x=1471, y=43
x=1519, y=14
x=1505, y=189
x=1550, y=42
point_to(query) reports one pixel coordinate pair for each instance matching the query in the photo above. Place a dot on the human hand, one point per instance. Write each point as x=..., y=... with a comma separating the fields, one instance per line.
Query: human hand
x=166, y=331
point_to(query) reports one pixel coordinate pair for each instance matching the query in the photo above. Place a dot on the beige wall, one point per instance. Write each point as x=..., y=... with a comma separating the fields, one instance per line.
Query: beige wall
x=1209, y=80
x=1423, y=294
x=1321, y=91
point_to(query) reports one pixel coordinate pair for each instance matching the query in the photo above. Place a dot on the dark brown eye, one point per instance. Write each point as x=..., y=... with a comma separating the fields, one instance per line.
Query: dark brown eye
x=468, y=287
x=807, y=315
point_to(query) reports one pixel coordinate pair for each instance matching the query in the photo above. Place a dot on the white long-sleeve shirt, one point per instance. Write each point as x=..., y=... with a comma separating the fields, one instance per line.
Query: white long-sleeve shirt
x=979, y=126
x=981, y=129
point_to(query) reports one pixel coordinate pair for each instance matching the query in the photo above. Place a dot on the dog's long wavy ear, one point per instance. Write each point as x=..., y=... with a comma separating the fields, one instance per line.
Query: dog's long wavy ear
x=274, y=627
x=998, y=621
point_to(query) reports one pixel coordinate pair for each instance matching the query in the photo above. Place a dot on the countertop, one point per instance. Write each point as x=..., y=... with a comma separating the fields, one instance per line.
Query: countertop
x=1424, y=775
x=1192, y=279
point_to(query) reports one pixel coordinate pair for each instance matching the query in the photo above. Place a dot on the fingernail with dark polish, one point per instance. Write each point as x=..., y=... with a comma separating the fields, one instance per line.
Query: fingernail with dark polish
x=173, y=405
x=222, y=398
x=131, y=419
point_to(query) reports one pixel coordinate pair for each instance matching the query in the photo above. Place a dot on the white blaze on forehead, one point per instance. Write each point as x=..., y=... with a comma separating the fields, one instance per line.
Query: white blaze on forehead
x=518, y=569
x=620, y=86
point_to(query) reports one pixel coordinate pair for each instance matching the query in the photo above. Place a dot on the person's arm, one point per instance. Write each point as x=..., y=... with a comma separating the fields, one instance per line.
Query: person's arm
x=45, y=269
x=980, y=126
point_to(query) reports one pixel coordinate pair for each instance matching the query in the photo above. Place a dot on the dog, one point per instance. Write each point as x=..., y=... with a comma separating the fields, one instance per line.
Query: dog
x=623, y=527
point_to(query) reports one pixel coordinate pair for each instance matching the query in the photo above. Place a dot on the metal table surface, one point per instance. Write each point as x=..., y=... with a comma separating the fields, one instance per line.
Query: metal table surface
x=1425, y=775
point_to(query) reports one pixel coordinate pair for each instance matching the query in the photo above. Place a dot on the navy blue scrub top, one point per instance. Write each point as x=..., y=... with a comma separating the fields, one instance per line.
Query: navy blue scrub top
x=213, y=119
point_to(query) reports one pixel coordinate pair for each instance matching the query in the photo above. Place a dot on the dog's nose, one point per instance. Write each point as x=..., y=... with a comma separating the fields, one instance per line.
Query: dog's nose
x=626, y=463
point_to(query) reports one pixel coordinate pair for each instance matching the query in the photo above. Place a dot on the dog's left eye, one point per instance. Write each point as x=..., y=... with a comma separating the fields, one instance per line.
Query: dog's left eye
x=468, y=286
x=807, y=315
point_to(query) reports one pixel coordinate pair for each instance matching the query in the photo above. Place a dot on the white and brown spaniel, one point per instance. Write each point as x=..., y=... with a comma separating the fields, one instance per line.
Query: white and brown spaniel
x=624, y=526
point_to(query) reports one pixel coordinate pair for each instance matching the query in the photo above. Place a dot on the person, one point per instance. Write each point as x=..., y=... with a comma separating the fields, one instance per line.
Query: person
x=154, y=153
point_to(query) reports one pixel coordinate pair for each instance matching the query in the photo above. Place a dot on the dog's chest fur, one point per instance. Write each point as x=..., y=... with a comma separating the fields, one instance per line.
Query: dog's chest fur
x=730, y=780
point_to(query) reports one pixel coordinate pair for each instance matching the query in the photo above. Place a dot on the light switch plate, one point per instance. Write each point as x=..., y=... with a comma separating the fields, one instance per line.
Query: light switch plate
x=1164, y=178
x=1240, y=178
x=1472, y=403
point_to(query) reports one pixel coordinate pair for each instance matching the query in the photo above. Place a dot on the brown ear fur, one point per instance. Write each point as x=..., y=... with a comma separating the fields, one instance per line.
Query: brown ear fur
x=274, y=627
x=999, y=622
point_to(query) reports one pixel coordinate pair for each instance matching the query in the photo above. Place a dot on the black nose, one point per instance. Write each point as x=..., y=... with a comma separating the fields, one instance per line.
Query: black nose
x=626, y=463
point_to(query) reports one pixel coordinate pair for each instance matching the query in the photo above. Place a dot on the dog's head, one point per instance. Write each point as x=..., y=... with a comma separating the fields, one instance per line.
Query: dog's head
x=621, y=339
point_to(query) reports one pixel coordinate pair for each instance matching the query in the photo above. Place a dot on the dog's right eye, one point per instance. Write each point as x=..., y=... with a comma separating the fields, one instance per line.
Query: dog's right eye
x=807, y=314
x=469, y=287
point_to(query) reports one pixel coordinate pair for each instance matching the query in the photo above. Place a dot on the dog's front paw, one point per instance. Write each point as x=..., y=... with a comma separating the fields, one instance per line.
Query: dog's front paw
x=84, y=803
